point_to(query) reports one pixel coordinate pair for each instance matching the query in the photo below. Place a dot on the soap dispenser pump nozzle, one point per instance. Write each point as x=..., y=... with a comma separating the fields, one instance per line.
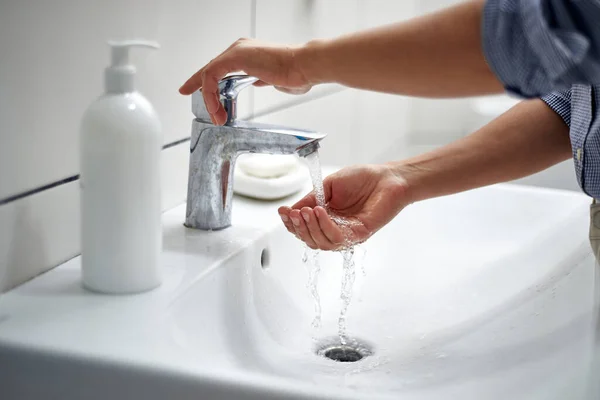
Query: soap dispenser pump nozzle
x=119, y=75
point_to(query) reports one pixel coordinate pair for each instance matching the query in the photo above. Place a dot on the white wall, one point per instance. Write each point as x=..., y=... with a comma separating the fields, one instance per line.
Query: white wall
x=53, y=55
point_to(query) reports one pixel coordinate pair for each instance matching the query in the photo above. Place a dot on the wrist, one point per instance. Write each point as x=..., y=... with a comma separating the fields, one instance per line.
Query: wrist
x=310, y=60
x=412, y=177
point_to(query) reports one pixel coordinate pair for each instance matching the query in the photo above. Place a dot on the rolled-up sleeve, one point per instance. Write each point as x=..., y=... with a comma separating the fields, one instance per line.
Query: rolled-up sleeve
x=536, y=47
x=560, y=102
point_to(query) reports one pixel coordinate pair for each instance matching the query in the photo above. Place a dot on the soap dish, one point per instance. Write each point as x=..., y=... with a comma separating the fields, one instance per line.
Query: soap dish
x=270, y=188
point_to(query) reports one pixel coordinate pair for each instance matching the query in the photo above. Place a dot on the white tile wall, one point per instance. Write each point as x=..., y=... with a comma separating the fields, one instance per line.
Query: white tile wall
x=560, y=176
x=426, y=6
x=294, y=22
x=38, y=232
x=53, y=53
x=174, y=175
x=334, y=115
x=53, y=57
x=361, y=126
x=382, y=123
x=374, y=13
x=438, y=121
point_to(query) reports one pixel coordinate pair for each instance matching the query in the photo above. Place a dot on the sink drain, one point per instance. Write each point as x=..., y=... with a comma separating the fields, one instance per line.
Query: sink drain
x=343, y=354
x=350, y=352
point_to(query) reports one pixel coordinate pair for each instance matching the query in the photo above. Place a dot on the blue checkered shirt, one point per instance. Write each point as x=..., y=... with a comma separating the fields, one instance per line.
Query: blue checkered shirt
x=551, y=49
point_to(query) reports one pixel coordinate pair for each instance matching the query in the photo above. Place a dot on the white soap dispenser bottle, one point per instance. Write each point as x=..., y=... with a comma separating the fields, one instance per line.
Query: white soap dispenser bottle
x=120, y=151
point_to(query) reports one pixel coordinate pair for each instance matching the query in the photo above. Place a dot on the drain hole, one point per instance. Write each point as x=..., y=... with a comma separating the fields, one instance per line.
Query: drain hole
x=351, y=351
x=264, y=259
x=343, y=354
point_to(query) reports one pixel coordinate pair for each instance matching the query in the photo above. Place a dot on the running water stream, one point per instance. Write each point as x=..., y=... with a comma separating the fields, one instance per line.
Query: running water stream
x=311, y=257
x=348, y=266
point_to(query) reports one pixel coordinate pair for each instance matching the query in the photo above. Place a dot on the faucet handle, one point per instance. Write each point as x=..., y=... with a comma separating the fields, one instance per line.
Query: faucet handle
x=229, y=88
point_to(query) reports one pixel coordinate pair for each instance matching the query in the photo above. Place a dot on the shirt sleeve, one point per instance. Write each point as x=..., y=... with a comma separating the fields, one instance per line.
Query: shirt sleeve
x=536, y=47
x=560, y=103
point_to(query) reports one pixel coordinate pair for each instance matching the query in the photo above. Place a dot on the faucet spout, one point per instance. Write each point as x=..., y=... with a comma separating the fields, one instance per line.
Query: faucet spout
x=213, y=152
x=308, y=148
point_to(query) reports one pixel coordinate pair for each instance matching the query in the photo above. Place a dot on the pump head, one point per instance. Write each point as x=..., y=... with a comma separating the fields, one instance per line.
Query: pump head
x=118, y=77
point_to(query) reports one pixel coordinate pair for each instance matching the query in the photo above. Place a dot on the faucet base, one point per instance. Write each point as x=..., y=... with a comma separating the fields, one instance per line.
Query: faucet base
x=205, y=229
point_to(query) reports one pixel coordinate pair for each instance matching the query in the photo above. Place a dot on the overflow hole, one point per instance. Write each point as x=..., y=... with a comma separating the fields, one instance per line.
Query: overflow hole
x=265, y=259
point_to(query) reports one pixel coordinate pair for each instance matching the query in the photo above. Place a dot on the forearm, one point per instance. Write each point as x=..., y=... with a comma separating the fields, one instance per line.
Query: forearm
x=527, y=139
x=437, y=55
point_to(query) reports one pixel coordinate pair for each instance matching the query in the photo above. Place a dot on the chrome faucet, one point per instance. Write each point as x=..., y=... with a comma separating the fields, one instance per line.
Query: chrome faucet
x=214, y=149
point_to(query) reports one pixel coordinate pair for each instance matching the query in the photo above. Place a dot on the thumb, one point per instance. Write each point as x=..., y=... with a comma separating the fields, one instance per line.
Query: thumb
x=307, y=201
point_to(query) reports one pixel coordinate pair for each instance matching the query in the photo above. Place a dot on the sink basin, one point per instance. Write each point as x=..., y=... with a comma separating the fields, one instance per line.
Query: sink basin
x=489, y=294
x=484, y=295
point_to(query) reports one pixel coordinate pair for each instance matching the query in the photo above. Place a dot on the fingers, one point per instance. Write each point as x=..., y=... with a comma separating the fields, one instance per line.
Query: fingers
x=211, y=76
x=313, y=226
x=315, y=230
x=302, y=230
x=330, y=229
x=260, y=60
x=284, y=214
x=210, y=98
x=208, y=79
x=193, y=83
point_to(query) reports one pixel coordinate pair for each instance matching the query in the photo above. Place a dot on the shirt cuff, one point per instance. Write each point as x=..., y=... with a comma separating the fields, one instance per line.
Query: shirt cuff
x=560, y=103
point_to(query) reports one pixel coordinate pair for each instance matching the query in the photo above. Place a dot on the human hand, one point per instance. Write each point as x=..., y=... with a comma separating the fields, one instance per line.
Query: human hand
x=275, y=65
x=361, y=198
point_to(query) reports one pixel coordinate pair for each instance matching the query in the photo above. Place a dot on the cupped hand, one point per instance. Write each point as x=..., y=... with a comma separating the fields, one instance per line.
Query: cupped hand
x=275, y=65
x=362, y=199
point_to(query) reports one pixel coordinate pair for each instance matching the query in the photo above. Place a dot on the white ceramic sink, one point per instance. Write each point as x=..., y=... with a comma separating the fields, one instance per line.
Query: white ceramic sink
x=484, y=295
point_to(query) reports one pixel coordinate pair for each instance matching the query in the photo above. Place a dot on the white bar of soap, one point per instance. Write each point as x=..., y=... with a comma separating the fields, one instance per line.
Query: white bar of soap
x=267, y=165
